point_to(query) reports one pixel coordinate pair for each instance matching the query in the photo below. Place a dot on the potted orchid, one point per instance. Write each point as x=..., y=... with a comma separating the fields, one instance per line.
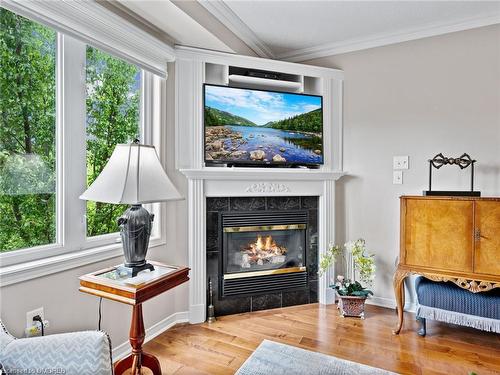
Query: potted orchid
x=352, y=294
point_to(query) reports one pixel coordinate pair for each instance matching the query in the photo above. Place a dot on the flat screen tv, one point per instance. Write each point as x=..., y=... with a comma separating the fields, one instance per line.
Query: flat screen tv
x=257, y=127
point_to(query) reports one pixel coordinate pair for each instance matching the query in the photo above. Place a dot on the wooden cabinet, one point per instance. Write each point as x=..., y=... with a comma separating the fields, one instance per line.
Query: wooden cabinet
x=487, y=237
x=449, y=239
x=438, y=233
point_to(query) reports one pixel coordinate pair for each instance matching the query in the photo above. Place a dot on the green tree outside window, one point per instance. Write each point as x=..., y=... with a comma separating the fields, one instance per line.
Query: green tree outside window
x=113, y=101
x=28, y=130
x=27, y=133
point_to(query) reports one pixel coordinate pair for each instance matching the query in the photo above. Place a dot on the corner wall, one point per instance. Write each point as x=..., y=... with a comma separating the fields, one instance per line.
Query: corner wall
x=418, y=98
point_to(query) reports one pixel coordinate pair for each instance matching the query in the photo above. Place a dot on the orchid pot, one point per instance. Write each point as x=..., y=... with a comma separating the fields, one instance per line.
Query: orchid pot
x=352, y=306
x=351, y=293
x=352, y=297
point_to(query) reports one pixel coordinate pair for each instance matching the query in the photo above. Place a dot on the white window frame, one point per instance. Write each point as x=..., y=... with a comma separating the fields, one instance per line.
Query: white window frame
x=72, y=247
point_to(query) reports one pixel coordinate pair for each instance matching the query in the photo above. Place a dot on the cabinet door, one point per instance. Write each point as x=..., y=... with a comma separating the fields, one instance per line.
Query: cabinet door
x=439, y=234
x=487, y=237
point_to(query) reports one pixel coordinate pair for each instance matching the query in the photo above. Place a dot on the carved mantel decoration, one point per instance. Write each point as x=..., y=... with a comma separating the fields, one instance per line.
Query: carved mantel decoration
x=267, y=187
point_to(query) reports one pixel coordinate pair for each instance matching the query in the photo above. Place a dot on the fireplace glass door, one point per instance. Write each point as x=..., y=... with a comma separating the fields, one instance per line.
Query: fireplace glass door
x=263, y=248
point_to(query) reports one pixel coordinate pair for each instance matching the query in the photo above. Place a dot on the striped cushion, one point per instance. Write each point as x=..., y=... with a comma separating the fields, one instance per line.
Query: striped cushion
x=448, y=296
x=5, y=337
x=75, y=353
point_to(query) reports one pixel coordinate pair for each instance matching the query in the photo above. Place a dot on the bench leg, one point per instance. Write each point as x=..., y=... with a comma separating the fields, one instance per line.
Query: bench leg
x=423, y=327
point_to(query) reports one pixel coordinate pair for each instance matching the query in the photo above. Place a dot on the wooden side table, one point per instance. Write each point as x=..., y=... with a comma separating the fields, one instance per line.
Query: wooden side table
x=108, y=283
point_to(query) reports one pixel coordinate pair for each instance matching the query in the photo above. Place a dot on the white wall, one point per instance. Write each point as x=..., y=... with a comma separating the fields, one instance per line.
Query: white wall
x=419, y=98
x=67, y=309
x=440, y=94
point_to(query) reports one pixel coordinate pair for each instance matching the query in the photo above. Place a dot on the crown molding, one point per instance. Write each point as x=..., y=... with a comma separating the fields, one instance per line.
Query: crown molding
x=234, y=23
x=384, y=39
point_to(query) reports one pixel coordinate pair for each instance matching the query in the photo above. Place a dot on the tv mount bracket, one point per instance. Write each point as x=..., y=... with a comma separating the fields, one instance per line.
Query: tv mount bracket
x=464, y=161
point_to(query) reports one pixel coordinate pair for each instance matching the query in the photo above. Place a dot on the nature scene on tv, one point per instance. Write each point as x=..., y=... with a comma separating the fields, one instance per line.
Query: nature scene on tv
x=243, y=125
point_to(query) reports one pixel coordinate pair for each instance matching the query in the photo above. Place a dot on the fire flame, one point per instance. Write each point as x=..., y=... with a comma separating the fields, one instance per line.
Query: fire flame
x=263, y=249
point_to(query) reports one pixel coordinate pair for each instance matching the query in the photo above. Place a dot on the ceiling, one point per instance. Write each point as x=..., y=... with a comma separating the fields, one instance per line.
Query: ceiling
x=164, y=17
x=299, y=30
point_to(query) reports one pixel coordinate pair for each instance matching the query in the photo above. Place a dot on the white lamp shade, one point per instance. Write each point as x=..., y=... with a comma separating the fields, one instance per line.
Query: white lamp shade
x=133, y=175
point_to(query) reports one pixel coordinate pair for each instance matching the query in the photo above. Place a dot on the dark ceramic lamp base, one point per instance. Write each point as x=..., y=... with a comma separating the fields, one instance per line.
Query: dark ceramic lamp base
x=135, y=229
x=136, y=269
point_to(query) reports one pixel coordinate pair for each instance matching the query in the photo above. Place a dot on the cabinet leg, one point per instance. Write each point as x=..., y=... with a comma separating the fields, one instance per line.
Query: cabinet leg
x=423, y=327
x=399, y=291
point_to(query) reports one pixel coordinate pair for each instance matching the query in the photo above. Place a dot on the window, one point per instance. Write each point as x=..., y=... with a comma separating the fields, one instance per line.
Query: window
x=58, y=130
x=27, y=133
x=113, y=103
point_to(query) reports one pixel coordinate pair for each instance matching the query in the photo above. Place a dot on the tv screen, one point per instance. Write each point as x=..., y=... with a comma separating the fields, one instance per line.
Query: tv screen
x=247, y=126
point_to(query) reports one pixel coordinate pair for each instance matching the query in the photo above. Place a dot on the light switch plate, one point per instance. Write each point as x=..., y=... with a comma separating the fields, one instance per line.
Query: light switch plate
x=397, y=177
x=400, y=162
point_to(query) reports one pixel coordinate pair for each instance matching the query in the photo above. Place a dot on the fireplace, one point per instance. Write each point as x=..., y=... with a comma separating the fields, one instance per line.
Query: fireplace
x=263, y=251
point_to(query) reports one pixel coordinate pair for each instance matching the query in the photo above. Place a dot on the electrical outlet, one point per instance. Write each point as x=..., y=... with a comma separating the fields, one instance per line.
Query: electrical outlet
x=31, y=314
x=36, y=329
x=397, y=177
x=400, y=162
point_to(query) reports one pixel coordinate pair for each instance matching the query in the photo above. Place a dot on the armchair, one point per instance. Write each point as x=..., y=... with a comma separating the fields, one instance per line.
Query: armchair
x=76, y=353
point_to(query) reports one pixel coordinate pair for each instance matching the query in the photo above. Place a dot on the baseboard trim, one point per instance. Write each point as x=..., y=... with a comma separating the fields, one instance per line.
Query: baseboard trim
x=122, y=350
x=390, y=303
x=197, y=313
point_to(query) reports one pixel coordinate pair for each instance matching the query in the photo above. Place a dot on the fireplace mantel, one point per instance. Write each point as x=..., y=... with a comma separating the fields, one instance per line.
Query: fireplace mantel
x=258, y=174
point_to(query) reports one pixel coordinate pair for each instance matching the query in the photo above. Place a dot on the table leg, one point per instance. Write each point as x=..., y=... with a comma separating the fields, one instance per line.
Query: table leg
x=399, y=293
x=138, y=358
x=136, y=338
x=152, y=363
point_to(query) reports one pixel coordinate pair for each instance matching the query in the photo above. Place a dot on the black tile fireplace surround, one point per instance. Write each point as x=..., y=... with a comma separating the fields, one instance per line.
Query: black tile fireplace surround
x=294, y=253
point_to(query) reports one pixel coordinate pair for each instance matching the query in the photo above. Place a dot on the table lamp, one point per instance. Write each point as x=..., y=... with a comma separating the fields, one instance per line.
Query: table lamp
x=133, y=175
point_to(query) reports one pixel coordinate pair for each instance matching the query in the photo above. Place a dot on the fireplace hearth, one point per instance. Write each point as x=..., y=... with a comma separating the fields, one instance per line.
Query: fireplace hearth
x=262, y=252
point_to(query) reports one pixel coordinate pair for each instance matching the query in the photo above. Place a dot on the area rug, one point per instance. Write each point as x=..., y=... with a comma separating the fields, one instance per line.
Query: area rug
x=272, y=358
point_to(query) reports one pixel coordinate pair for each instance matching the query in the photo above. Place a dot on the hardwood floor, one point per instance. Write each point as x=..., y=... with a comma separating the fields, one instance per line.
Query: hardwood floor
x=223, y=346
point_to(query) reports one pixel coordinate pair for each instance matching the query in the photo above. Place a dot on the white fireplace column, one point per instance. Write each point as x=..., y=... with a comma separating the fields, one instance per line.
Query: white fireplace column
x=197, y=251
x=326, y=231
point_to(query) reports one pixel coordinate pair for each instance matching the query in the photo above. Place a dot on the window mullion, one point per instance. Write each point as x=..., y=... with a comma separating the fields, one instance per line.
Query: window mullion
x=155, y=130
x=147, y=107
x=146, y=124
x=71, y=132
x=159, y=131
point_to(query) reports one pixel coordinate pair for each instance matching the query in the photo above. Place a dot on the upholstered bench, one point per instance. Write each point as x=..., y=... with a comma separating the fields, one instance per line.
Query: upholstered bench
x=449, y=303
